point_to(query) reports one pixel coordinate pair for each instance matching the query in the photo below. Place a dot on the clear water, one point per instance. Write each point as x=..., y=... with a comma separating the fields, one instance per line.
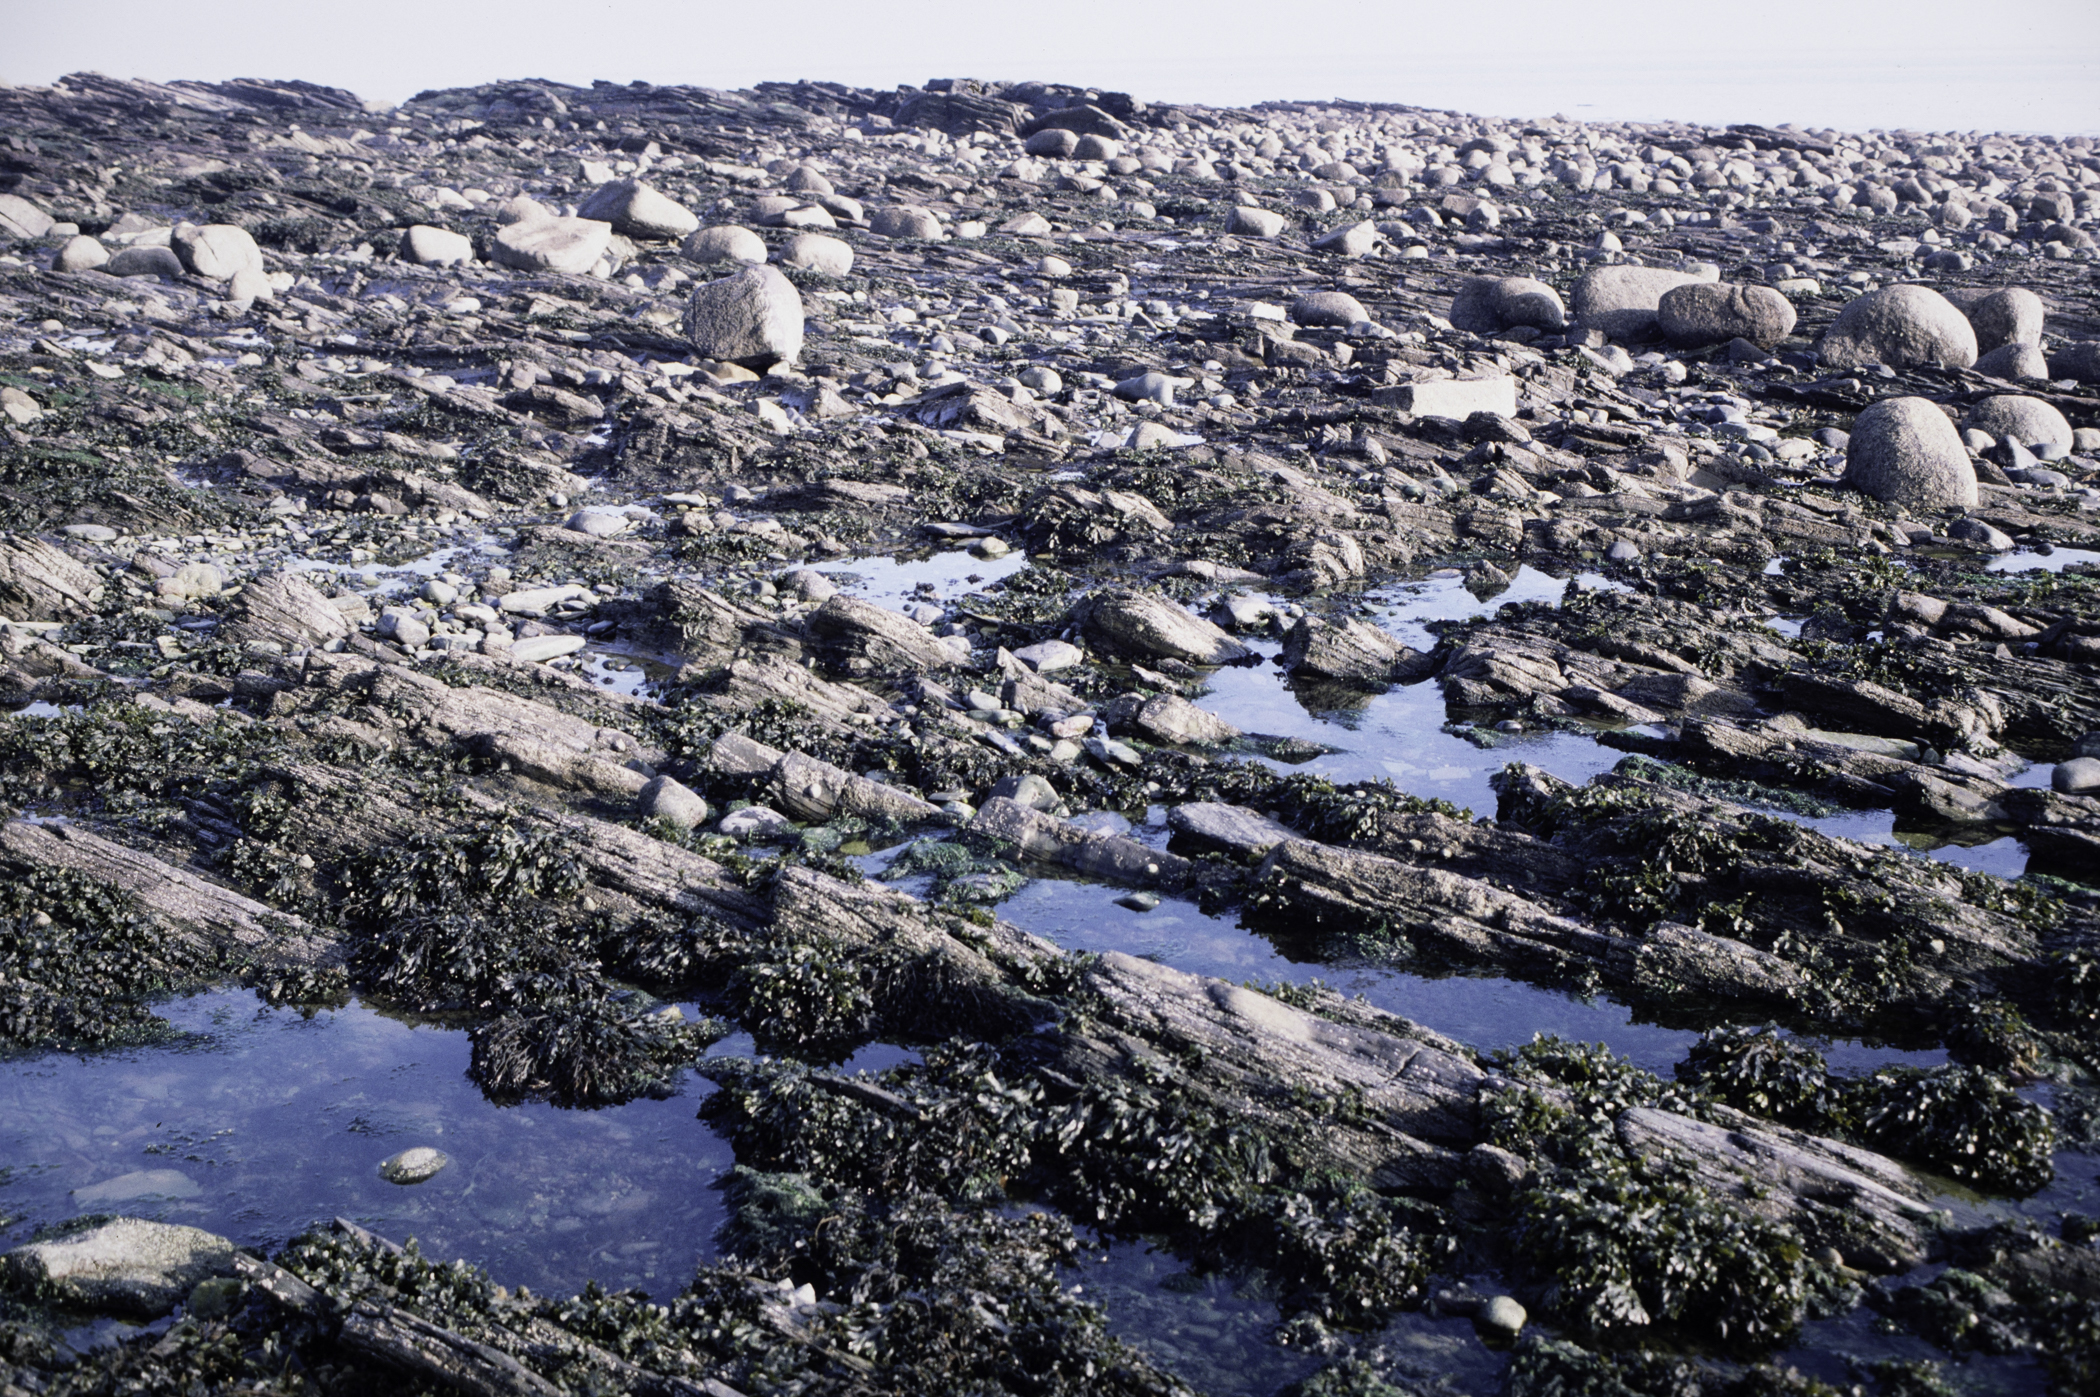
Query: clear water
x=262, y=1121
x=1402, y=735
x=892, y=582
x=2055, y=560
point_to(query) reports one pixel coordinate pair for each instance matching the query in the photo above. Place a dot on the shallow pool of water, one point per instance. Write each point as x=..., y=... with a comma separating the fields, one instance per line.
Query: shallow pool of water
x=262, y=1121
x=1398, y=735
x=892, y=582
x=1404, y=608
x=2028, y=560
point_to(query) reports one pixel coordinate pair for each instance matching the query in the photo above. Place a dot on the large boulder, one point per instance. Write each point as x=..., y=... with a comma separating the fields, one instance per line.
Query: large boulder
x=216, y=250
x=1713, y=312
x=1145, y=626
x=80, y=254
x=753, y=318
x=571, y=245
x=851, y=629
x=2028, y=421
x=725, y=242
x=1351, y=651
x=126, y=1265
x=1053, y=141
x=1255, y=223
x=1487, y=305
x=1906, y=451
x=2009, y=315
x=1624, y=301
x=2017, y=362
x=637, y=211
x=2079, y=360
x=1904, y=327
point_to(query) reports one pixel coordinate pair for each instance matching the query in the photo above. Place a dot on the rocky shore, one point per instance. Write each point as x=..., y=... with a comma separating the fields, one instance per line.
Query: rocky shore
x=428, y=575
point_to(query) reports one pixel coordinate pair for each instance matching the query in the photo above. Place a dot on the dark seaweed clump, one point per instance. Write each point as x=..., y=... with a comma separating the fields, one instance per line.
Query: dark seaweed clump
x=1619, y=1244
x=442, y=931
x=78, y=962
x=1963, y=1121
x=1126, y=1156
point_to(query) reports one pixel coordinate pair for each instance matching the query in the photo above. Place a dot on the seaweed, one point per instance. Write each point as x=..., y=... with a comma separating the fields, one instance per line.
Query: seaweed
x=1964, y=1121
x=79, y=962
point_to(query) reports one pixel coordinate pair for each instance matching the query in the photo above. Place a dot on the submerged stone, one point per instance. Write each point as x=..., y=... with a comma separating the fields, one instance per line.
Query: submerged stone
x=413, y=1165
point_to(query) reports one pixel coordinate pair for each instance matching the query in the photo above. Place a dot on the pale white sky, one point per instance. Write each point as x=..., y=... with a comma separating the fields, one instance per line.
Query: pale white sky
x=2024, y=65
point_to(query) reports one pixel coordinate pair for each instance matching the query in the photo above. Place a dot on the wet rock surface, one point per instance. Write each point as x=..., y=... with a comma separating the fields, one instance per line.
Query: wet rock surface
x=534, y=553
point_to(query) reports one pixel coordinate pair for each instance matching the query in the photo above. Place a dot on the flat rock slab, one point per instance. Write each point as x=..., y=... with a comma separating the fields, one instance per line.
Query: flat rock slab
x=128, y=1266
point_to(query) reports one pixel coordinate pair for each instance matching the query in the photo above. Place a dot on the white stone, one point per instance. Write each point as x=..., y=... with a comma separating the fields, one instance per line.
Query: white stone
x=815, y=252
x=435, y=247
x=413, y=1165
x=1457, y=398
x=571, y=245
x=216, y=250
x=536, y=649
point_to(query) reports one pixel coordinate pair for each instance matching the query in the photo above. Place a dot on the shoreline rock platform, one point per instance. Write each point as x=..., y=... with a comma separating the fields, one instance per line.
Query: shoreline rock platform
x=427, y=573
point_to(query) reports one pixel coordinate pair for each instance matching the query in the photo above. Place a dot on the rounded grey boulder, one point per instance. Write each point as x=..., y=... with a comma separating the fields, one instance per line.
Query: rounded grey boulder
x=1905, y=451
x=435, y=247
x=1624, y=301
x=1503, y=1315
x=2079, y=776
x=1255, y=223
x=1328, y=308
x=80, y=254
x=1053, y=141
x=1903, y=327
x=816, y=252
x=725, y=242
x=666, y=799
x=905, y=221
x=2078, y=360
x=216, y=250
x=413, y=1165
x=2009, y=315
x=2020, y=363
x=1712, y=312
x=753, y=318
x=571, y=245
x=2028, y=421
x=143, y=261
x=1487, y=305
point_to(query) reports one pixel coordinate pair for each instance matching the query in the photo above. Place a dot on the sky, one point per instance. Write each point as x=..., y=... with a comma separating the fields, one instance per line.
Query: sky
x=2007, y=65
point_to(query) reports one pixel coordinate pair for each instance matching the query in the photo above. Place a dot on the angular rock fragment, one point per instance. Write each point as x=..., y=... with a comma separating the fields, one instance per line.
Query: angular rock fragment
x=573, y=245
x=638, y=211
x=1148, y=626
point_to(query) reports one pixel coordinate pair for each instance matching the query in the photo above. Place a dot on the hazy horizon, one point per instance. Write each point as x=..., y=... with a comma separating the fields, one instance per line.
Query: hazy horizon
x=2032, y=66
